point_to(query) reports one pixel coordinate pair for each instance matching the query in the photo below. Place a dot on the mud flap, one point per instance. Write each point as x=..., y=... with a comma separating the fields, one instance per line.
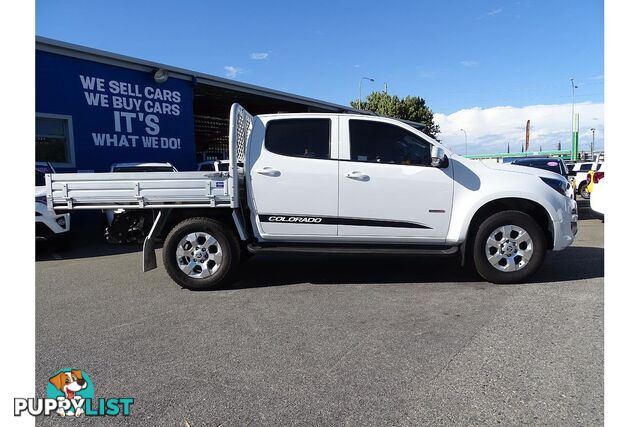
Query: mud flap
x=148, y=249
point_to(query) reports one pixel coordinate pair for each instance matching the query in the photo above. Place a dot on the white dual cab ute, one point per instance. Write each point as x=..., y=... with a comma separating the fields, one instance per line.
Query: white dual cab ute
x=336, y=183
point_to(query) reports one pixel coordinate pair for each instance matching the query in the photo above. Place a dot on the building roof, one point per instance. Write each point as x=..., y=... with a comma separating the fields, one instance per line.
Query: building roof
x=83, y=52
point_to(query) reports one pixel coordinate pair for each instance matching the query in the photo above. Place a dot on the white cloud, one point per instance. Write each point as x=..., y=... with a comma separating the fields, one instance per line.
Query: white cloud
x=490, y=129
x=496, y=11
x=259, y=55
x=470, y=63
x=231, y=71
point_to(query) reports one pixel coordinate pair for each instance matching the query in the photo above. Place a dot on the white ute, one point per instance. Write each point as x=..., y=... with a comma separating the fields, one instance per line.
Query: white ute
x=337, y=183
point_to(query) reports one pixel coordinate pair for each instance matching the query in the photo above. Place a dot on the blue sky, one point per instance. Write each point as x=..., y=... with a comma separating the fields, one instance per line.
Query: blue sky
x=458, y=55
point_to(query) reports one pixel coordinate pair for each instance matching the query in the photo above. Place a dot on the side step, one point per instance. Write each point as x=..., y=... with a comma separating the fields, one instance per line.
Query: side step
x=283, y=248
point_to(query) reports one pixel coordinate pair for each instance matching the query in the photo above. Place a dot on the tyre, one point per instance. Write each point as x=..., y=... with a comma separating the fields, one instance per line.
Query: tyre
x=583, y=191
x=509, y=247
x=200, y=254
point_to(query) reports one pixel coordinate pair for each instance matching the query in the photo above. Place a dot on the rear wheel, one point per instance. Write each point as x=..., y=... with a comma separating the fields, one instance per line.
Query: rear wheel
x=200, y=253
x=583, y=191
x=509, y=247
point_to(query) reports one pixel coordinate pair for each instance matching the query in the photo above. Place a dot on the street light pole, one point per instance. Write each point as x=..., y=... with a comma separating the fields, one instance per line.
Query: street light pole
x=360, y=91
x=466, y=147
x=574, y=142
x=593, y=140
x=573, y=101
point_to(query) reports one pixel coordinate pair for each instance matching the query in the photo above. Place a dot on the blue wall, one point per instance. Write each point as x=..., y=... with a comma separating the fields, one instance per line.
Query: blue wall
x=118, y=114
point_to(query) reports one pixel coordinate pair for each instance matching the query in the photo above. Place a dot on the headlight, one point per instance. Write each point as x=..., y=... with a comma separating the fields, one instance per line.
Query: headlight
x=560, y=185
x=41, y=199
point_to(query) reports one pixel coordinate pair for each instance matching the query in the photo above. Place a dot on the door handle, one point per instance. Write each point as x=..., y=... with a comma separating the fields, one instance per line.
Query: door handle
x=269, y=171
x=359, y=176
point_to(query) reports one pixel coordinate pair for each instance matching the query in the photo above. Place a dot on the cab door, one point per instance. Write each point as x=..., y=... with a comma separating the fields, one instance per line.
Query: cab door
x=388, y=190
x=293, y=177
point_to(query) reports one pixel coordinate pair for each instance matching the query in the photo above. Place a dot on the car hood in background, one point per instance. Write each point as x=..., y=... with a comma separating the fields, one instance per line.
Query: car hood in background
x=528, y=170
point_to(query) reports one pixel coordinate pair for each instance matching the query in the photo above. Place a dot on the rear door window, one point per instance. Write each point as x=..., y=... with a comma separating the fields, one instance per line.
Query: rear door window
x=308, y=138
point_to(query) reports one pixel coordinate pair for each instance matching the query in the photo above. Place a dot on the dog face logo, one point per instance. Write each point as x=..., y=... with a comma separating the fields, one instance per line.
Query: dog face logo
x=72, y=386
x=69, y=382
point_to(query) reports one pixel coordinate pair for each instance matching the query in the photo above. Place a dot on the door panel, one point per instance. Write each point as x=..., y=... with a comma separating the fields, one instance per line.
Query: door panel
x=415, y=201
x=386, y=176
x=296, y=194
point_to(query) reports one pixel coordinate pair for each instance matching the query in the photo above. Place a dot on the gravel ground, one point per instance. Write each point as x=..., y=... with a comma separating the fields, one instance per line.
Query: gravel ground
x=329, y=339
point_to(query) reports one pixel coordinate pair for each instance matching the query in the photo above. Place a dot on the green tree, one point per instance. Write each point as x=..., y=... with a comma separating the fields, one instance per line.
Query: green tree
x=411, y=108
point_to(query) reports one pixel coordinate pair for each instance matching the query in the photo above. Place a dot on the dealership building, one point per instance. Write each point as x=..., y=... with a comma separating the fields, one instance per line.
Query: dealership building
x=95, y=108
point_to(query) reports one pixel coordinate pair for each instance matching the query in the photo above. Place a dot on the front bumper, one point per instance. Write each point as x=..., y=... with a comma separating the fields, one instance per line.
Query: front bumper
x=566, y=228
x=50, y=226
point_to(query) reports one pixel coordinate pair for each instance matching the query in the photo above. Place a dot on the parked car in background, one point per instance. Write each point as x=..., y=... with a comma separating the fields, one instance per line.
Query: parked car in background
x=570, y=164
x=580, y=172
x=593, y=176
x=49, y=226
x=216, y=165
x=126, y=226
x=597, y=191
x=143, y=167
x=552, y=164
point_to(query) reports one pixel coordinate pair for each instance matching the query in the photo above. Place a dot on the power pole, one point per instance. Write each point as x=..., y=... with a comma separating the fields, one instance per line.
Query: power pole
x=466, y=146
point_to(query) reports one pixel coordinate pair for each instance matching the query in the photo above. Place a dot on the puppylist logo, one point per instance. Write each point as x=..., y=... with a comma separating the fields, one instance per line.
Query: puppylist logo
x=70, y=393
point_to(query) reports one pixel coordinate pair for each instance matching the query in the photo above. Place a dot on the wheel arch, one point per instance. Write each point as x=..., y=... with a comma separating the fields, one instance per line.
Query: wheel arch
x=178, y=215
x=527, y=206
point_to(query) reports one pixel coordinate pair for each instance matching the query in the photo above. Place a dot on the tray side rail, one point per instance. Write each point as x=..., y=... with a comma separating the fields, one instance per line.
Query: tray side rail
x=137, y=190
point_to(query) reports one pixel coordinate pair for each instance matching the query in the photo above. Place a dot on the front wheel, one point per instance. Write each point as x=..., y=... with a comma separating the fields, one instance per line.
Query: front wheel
x=509, y=247
x=200, y=253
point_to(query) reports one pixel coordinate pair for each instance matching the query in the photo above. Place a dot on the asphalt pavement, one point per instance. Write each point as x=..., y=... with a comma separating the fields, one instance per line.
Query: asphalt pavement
x=347, y=340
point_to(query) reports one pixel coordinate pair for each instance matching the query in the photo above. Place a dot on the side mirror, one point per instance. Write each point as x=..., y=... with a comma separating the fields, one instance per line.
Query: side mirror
x=438, y=158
